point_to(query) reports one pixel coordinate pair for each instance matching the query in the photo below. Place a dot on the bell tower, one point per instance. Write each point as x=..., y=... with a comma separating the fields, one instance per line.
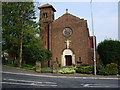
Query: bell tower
x=46, y=17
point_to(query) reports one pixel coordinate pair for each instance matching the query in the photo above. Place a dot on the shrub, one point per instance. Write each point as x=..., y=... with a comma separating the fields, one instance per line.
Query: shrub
x=101, y=70
x=112, y=68
x=85, y=69
x=69, y=70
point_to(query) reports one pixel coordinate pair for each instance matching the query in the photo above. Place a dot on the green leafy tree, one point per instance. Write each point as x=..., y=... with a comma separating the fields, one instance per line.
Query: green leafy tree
x=17, y=17
x=109, y=51
x=19, y=33
x=35, y=51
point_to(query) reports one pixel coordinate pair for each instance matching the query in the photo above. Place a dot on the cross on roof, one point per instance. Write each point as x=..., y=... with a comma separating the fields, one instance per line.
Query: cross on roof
x=66, y=10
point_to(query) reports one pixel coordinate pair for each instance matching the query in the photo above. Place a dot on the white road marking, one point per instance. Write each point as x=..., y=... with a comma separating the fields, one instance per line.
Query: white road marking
x=28, y=81
x=59, y=76
x=86, y=85
x=100, y=85
x=25, y=82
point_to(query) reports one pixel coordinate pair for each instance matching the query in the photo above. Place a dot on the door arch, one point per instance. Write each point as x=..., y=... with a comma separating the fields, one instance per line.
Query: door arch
x=68, y=58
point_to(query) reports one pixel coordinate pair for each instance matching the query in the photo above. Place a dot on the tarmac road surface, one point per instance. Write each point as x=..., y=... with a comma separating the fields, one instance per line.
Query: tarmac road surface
x=14, y=78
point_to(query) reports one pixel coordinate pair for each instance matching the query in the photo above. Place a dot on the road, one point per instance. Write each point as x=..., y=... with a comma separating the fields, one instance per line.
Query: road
x=14, y=78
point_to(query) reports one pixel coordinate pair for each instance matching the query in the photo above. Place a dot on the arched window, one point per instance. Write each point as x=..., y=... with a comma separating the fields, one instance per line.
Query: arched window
x=45, y=15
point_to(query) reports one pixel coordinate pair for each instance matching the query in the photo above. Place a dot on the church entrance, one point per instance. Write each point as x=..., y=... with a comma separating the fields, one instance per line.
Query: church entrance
x=68, y=60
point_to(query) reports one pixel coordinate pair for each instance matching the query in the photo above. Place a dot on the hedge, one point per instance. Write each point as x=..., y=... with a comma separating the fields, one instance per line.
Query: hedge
x=110, y=69
x=85, y=69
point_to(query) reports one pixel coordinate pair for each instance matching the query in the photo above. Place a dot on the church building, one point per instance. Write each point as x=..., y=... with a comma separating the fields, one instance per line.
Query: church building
x=67, y=38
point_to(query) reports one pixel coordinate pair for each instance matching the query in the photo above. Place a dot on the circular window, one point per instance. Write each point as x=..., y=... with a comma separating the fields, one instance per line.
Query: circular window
x=67, y=32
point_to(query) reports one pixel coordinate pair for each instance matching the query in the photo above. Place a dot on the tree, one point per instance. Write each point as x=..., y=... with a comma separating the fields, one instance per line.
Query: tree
x=17, y=17
x=109, y=51
x=19, y=32
x=36, y=51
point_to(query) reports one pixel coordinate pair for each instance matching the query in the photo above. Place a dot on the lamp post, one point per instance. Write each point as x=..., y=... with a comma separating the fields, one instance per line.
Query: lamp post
x=94, y=47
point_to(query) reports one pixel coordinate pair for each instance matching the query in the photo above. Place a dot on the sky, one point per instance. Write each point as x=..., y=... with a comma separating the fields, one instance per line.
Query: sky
x=105, y=16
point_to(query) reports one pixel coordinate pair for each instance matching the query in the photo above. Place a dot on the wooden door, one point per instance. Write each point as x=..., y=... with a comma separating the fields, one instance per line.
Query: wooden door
x=68, y=60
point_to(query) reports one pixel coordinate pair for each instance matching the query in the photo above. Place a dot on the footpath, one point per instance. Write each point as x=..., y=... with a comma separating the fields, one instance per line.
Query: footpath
x=20, y=71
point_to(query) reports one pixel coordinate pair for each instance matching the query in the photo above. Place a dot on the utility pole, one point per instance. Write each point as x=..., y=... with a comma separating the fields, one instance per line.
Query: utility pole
x=94, y=46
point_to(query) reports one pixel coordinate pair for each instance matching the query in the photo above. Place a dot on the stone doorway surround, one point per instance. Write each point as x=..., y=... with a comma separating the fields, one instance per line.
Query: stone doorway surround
x=67, y=52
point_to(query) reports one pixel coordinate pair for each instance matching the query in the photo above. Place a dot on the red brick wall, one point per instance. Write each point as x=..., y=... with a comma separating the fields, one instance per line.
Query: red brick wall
x=54, y=40
x=79, y=38
x=45, y=24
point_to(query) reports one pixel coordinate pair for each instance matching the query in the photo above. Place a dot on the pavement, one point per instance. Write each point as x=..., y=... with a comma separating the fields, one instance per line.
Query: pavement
x=20, y=78
x=20, y=71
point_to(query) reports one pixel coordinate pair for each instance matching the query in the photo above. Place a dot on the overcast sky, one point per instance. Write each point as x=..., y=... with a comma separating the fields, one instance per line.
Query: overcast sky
x=105, y=16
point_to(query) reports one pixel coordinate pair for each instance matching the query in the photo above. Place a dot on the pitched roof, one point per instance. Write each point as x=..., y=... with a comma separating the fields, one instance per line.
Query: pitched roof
x=47, y=6
x=68, y=14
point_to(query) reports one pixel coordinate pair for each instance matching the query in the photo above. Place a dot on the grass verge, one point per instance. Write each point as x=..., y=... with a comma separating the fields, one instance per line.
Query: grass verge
x=31, y=67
